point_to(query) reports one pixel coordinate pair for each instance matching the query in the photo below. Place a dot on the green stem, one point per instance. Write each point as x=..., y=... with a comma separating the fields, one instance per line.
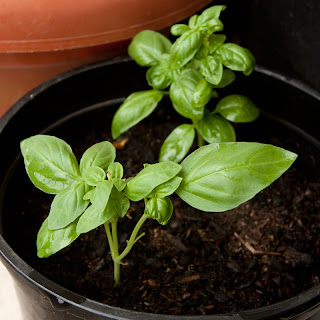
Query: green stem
x=133, y=239
x=109, y=236
x=115, y=252
x=199, y=136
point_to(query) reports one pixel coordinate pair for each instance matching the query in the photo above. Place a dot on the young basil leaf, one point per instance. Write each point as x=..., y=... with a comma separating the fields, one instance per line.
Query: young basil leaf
x=181, y=94
x=160, y=75
x=193, y=21
x=237, y=108
x=210, y=14
x=68, y=205
x=92, y=218
x=177, y=144
x=120, y=184
x=214, y=128
x=185, y=47
x=211, y=26
x=159, y=209
x=88, y=195
x=93, y=175
x=135, y=108
x=50, y=163
x=202, y=94
x=167, y=188
x=236, y=58
x=115, y=170
x=120, y=206
x=150, y=177
x=179, y=29
x=100, y=155
x=147, y=47
x=228, y=77
x=52, y=241
x=212, y=69
x=219, y=177
x=101, y=194
x=216, y=41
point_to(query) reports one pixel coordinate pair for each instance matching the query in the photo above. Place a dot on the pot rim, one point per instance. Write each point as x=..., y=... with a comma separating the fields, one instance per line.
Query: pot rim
x=307, y=302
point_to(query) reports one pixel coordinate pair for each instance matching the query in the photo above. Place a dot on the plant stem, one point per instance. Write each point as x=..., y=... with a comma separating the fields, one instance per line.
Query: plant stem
x=199, y=136
x=116, y=265
x=133, y=239
x=109, y=236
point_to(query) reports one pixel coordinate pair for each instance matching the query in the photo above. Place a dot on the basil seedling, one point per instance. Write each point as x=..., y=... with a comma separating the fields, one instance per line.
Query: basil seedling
x=194, y=67
x=214, y=178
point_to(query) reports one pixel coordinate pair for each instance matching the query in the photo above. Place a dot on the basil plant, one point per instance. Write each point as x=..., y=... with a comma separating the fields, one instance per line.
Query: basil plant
x=194, y=67
x=214, y=178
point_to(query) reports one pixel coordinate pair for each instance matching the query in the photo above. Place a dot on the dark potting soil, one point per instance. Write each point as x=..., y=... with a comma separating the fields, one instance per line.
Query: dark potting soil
x=262, y=252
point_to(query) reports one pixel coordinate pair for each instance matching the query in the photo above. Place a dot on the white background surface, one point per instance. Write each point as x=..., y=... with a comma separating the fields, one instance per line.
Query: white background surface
x=9, y=306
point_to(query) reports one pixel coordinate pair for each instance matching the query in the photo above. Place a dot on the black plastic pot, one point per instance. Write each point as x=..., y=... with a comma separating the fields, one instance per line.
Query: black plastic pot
x=85, y=90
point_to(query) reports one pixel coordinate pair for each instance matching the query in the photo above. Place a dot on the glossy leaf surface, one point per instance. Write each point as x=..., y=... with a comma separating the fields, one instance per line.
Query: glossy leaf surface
x=212, y=69
x=135, y=108
x=68, y=205
x=216, y=41
x=215, y=129
x=202, y=94
x=179, y=29
x=159, y=209
x=219, y=177
x=237, y=108
x=177, y=144
x=185, y=48
x=100, y=155
x=147, y=47
x=181, y=94
x=150, y=177
x=228, y=76
x=50, y=163
x=236, y=58
x=52, y=241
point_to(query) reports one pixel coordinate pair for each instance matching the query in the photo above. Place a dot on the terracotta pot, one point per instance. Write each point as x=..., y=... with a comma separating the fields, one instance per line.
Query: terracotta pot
x=40, y=39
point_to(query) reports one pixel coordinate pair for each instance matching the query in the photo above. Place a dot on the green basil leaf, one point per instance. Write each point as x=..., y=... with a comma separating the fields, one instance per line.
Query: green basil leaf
x=101, y=194
x=160, y=75
x=68, y=205
x=193, y=22
x=147, y=47
x=212, y=69
x=179, y=29
x=135, y=108
x=237, y=108
x=185, y=47
x=52, y=241
x=211, y=26
x=92, y=218
x=120, y=184
x=93, y=175
x=228, y=77
x=120, y=206
x=100, y=155
x=219, y=177
x=150, y=177
x=202, y=94
x=167, y=188
x=216, y=41
x=159, y=209
x=181, y=94
x=210, y=14
x=177, y=144
x=50, y=163
x=115, y=170
x=236, y=58
x=214, y=128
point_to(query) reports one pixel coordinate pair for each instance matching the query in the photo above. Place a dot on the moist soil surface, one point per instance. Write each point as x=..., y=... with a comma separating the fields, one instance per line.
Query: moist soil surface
x=264, y=251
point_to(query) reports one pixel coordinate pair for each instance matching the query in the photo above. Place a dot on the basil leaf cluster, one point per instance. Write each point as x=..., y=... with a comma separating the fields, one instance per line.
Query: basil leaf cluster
x=190, y=71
